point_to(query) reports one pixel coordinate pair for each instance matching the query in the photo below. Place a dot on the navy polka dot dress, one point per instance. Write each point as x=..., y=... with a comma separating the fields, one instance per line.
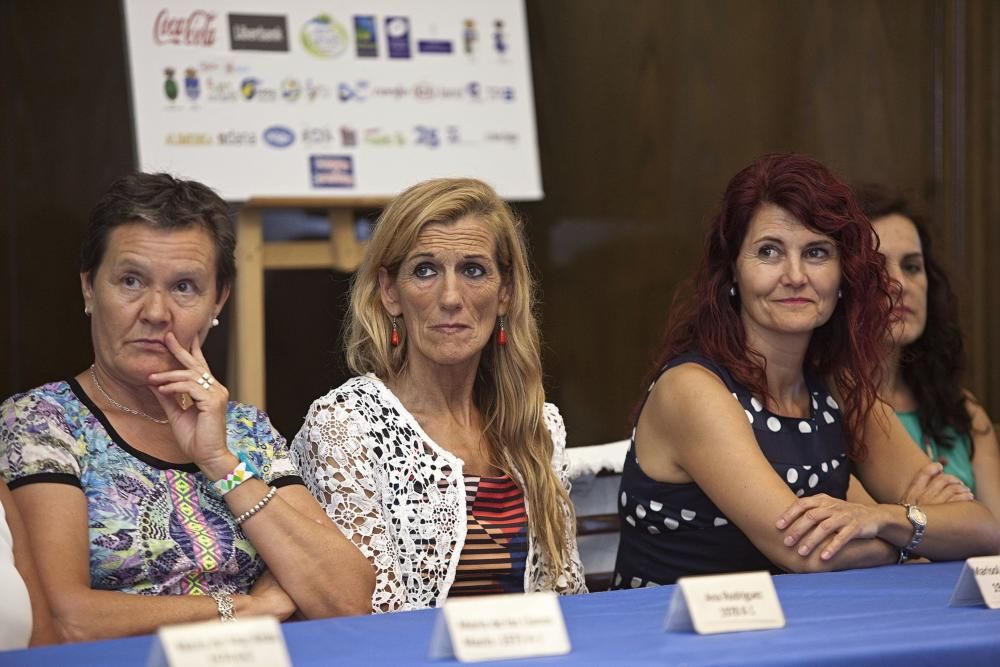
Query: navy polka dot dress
x=674, y=530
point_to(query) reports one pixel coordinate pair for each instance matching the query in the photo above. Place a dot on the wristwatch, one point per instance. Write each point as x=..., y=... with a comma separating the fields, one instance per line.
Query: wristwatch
x=918, y=520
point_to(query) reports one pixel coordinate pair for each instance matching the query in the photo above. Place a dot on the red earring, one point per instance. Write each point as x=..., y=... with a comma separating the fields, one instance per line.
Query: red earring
x=502, y=334
x=394, y=338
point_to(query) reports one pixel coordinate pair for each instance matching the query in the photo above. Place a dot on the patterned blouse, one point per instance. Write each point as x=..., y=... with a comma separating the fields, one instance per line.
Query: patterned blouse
x=496, y=540
x=156, y=528
x=403, y=500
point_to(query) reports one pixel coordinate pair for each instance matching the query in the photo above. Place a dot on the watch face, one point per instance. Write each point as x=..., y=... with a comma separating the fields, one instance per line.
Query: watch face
x=917, y=516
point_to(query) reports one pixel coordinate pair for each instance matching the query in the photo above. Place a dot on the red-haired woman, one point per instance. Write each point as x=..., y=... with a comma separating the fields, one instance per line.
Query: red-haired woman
x=764, y=401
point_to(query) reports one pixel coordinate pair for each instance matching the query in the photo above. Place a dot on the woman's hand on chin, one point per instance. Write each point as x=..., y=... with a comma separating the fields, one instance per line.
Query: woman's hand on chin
x=823, y=520
x=200, y=429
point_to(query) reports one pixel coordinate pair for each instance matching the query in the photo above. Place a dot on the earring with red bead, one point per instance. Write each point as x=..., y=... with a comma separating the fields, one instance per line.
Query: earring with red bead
x=502, y=334
x=394, y=337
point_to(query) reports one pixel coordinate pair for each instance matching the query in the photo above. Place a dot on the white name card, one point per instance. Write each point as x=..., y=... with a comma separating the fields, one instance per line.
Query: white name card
x=725, y=603
x=978, y=583
x=500, y=627
x=250, y=642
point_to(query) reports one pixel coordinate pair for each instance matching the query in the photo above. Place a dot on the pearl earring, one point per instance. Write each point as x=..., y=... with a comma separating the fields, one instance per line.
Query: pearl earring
x=86, y=311
x=732, y=290
x=215, y=321
x=840, y=294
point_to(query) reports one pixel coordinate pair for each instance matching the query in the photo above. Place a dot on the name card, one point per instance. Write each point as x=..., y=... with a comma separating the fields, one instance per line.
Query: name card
x=978, y=583
x=725, y=603
x=250, y=642
x=499, y=627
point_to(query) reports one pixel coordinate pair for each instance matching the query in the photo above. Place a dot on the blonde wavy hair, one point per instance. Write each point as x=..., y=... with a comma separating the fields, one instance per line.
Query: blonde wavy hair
x=508, y=387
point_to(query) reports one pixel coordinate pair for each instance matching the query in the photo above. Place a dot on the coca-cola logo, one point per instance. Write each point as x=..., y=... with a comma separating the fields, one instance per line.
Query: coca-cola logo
x=195, y=29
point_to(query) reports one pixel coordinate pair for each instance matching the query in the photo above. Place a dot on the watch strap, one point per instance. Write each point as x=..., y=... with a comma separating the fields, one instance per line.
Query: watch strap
x=918, y=529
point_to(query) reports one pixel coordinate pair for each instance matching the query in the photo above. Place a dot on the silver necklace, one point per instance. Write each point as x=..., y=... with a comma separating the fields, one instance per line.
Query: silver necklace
x=123, y=408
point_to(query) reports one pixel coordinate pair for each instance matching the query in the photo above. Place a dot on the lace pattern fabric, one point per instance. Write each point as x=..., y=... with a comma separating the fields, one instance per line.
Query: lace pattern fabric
x=400, y=498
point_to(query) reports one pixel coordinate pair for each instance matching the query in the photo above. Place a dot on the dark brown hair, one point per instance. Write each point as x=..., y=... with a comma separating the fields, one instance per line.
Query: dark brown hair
x=162, y=202
x=933, y=365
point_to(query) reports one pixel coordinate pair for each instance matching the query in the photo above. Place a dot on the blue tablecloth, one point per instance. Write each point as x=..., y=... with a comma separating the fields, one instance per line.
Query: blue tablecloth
x=896, y=615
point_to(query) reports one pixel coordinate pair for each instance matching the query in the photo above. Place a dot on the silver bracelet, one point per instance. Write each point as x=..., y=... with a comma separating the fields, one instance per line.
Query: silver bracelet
x=224, y=601
x=258, y=507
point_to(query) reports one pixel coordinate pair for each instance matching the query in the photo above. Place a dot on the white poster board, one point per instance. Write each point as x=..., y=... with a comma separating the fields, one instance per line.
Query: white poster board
x=359, y=98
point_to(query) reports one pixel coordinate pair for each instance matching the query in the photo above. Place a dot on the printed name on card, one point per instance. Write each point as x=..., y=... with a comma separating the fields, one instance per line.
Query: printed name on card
x=499, y=627
x=725, y=603
x=250, y=642
x=979, y=583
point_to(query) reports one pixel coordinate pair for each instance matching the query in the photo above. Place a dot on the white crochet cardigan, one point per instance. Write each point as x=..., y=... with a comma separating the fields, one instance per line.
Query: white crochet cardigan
x=400, y=498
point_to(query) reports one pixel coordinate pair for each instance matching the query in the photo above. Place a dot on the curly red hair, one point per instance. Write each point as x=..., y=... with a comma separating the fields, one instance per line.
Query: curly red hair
x=849, y=348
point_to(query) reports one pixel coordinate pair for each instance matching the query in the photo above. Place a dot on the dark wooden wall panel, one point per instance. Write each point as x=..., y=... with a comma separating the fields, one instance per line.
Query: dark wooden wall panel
x=645, y=109
x=644, y=117
x=66, y=102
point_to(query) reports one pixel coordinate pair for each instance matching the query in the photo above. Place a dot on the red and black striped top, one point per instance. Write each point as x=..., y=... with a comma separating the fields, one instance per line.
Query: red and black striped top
x=496, y=543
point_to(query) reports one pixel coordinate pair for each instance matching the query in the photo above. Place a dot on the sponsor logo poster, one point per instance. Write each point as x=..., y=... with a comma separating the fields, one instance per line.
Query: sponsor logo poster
x=334, y=97
x=258, y=32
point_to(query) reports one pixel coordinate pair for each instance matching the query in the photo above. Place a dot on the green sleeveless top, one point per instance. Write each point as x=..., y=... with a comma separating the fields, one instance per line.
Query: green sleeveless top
x=958, y=456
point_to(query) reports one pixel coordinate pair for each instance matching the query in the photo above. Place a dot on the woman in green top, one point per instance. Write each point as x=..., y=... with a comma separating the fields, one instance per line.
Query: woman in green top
x=925, y=366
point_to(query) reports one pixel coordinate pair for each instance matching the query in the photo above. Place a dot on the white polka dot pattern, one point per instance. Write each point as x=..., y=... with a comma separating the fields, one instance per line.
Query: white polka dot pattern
x=803, y=450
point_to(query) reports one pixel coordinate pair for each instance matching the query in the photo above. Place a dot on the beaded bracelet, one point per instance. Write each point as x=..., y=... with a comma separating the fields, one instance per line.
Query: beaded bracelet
x=258, y=507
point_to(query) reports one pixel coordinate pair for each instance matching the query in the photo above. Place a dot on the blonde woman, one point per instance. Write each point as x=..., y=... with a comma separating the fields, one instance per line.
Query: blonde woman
x=441, y=460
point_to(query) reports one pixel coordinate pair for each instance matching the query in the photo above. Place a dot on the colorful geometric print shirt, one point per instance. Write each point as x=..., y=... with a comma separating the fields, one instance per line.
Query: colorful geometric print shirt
x=156, y=528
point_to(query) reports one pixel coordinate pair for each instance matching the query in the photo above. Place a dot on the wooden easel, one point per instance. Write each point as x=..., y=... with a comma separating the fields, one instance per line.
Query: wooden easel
x=342, y=251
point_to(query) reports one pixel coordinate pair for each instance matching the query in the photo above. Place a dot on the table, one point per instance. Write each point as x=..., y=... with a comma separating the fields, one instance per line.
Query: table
x=894, y=615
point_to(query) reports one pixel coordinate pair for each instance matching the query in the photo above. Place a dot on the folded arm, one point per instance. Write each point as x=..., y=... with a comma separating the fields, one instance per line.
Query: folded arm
x=985, y=457
x=56, y=519
x=954, y=529
x=331, y=454
x=692, y=429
